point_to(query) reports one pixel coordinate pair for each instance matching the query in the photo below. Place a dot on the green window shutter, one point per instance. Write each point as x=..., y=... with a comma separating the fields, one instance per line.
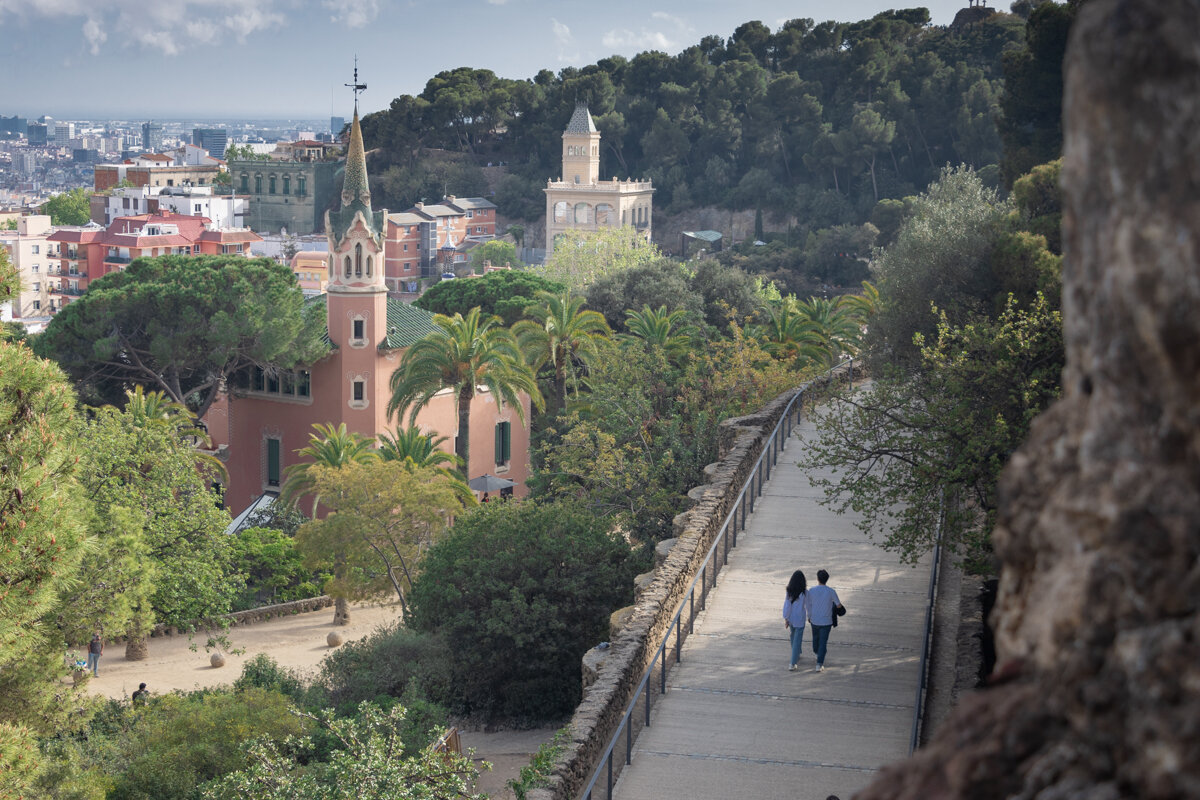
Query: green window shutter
x=273, y=462
x=500, y=443
x=507, y=428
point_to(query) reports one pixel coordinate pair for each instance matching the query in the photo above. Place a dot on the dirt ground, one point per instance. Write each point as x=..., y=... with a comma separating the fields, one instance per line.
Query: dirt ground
x=297, y=642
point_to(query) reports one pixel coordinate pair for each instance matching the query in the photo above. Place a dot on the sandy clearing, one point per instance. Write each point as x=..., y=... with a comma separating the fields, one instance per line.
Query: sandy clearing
x=297, y=642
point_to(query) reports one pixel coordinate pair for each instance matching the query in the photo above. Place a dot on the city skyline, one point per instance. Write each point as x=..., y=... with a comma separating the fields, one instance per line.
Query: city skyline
x=288, y=59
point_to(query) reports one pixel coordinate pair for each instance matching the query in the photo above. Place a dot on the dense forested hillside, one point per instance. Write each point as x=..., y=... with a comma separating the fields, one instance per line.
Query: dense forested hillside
x=815, y=120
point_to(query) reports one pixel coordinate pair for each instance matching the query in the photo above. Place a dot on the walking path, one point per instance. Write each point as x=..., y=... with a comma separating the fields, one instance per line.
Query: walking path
x=735, y=722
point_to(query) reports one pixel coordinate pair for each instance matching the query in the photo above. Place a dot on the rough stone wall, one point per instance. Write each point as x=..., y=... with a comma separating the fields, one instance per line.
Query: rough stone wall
x=741, y=441
x=1096, y=693
x=253, y=615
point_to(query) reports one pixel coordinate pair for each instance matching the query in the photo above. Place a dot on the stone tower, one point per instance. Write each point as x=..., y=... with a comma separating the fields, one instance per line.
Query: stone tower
x=579, y=200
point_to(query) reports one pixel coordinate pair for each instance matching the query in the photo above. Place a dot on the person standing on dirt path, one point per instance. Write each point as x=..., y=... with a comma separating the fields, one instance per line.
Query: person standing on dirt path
x=821, y=602
x=95, y=650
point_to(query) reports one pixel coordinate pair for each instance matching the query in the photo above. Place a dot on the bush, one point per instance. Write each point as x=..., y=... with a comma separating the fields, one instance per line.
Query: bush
x=520, y=591
x=390, y=662
x=263, y=672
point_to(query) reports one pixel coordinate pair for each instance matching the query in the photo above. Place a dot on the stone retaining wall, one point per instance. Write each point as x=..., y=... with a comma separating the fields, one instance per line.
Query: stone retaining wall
x=596, y=719
x=248, y=617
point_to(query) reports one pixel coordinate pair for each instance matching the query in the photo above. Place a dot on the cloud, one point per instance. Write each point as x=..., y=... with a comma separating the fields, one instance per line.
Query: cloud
x=169, y=27
x=353, y=13
x=567, y=50
x=672, y=33
x=497, y=2
x=95, y=36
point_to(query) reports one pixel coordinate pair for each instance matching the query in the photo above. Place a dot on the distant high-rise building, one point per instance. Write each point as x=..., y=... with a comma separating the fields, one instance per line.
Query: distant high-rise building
x=211, y=139
x=335, y=125
x=25, y=163
x=38, y=134
x=64, y=132
x=152, y=136
x=12, y=127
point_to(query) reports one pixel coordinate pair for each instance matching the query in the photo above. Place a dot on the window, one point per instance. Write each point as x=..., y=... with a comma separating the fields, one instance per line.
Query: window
x=36, y=267
x=258, y=184
x=245, y=182
x=37, y=248
x=287, y=184
x=303, y=383
x=359, y=329
x=470, y=214
x=272, y=180
x=37, y=286
x=196, y=248
x=503, y=443
x=406, y=248
x=603, y=212
x=197, y=209
x=581, y=213
x=37, y=305
x=273, y=465
x=560, y=211
x=347, y=269
x=300, y=184
x=360, y=391
x=358, y=260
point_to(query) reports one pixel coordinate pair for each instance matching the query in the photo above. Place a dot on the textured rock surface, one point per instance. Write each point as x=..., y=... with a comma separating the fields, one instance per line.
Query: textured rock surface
x=1097, y=689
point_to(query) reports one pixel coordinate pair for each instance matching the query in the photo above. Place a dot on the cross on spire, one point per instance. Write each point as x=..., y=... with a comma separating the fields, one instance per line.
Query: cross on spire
x=356, y=87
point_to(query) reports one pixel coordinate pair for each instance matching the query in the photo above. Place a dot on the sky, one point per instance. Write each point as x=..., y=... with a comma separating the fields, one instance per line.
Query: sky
x=240, y=59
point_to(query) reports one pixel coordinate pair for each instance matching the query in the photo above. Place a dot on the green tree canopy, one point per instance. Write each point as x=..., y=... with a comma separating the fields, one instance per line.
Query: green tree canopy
x=69, y=208
x=184, y=324
x=505, y=293
x=562, y=334
x=498, y=253
x=520, y=591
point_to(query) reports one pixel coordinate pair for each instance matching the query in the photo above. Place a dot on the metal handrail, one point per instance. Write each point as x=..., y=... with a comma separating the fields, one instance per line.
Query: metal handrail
x=744, y=504
x=919, y=704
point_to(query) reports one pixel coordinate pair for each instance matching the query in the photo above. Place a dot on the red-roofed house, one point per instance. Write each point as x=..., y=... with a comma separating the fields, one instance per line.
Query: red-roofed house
x=90, y=252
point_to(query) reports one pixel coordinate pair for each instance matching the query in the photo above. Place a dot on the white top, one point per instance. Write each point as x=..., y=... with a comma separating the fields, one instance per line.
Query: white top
x=794, y=612
x=821, y=602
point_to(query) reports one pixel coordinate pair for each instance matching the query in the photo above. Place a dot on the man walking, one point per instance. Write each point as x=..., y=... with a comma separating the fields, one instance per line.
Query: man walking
x=95, y=650
x=821, y=602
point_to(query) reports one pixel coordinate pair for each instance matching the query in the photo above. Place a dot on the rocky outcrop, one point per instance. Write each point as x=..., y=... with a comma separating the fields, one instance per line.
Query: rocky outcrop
x=1097, y=690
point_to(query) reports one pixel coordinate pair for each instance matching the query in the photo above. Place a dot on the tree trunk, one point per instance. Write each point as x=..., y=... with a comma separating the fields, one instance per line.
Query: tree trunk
x=341, y=611
x=462, y=444
x=136, y=648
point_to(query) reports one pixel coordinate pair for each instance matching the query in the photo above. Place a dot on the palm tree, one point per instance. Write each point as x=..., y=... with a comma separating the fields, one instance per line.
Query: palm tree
x=422, y=451
x=145, y=409
x=329, y=447
x=559, y=333
x=838, y=329
x=657, y=327
x=420, y=448
x=461, y=354
x=788, y=334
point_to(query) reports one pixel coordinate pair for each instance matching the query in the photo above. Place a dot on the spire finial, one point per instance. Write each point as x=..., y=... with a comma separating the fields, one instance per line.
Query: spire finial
x=356, y=87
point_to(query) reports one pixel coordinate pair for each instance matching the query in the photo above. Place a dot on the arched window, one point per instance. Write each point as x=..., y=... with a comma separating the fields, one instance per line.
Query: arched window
x=560, y=211
x=581, y=213
x=358, y=260
x=368, y=266
x=272, y=183
x=258, y=184
x=347, y=266
x=246, y=182
x=603, y=213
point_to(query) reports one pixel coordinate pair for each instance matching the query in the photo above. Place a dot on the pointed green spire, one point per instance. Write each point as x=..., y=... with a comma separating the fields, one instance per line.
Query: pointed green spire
x=355, y=186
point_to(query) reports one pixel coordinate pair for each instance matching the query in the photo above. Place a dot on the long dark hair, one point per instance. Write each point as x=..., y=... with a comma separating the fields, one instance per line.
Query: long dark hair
x=796, y=586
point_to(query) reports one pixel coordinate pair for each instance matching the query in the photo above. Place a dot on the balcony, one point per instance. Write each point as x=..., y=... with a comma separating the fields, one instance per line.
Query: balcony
x=116, y=260
x=69, y=291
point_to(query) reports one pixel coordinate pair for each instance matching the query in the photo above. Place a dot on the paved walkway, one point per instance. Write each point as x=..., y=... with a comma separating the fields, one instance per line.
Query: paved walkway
x=735, y=723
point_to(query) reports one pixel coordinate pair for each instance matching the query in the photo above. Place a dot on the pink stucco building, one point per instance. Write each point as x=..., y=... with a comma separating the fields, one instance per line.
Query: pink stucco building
x=265, y=418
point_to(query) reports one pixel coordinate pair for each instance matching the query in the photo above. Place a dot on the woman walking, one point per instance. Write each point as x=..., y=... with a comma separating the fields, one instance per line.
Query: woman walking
x=794, y=614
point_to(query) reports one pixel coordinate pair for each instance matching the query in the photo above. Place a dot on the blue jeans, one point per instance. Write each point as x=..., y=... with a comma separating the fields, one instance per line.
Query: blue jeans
x=94, y=663
x=797, y=634
x=820, y=639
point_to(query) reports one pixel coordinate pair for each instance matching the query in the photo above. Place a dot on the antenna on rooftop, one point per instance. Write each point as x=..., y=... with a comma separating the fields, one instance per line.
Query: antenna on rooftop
x=356, y=87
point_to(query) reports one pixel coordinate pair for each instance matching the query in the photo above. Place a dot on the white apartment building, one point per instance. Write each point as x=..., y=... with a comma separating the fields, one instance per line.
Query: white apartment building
x=31, y=253
x=225, y=211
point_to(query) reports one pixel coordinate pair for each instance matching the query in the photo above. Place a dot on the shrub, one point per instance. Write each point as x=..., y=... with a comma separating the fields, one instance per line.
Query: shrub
x=263, y=672
x=388, y=663
x=520, y=591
